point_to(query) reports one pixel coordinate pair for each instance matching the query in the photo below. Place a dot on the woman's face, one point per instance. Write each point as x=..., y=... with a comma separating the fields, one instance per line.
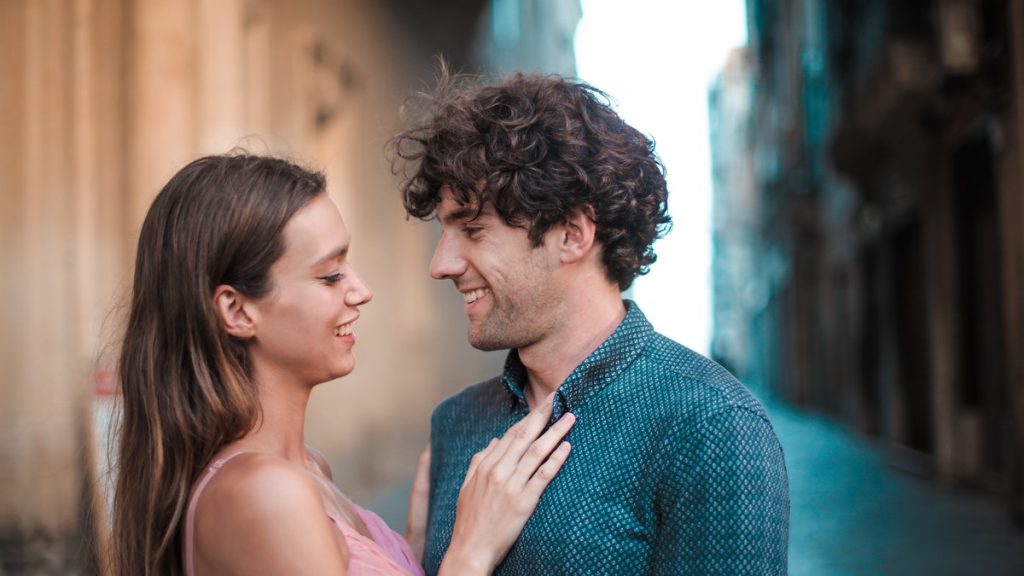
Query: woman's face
x=304, y=325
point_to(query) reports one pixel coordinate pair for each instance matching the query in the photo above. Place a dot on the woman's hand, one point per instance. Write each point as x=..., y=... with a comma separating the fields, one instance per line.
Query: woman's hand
x=419, y=501
x=502, y=488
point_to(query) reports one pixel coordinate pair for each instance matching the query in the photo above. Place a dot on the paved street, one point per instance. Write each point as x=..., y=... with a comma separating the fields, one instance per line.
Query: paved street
x=853, y=515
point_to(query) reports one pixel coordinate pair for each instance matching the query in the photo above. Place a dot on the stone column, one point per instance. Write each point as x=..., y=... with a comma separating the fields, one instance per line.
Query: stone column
x=951, y=454
x=220, y=69
x=1011, y=212
x=41, y=422
x=162, y=99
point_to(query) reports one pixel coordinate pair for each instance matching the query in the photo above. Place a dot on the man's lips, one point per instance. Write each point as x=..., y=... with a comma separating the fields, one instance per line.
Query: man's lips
x=470, y=296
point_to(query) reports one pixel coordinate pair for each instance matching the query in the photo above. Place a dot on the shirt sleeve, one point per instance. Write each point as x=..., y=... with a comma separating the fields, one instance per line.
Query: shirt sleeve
x=722, y=505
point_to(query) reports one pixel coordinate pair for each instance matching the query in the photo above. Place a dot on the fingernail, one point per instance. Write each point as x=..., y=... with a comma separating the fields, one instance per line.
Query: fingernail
x=564, y=447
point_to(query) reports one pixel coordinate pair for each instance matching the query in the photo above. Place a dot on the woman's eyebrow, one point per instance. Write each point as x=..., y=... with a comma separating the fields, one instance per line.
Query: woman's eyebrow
x=335, y=254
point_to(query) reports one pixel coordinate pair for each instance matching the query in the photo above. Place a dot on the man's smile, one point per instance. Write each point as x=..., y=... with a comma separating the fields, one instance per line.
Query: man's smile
x=470, y=296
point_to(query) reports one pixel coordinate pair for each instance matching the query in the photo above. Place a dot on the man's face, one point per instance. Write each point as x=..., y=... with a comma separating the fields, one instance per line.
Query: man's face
x=510, y=289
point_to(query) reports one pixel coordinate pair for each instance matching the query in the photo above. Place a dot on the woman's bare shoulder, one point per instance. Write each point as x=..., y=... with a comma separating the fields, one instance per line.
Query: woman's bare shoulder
x=260, y=482
x=264, y=515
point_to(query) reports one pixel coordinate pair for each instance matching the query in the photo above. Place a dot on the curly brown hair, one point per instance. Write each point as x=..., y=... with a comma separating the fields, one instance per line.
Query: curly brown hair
x=537, y=148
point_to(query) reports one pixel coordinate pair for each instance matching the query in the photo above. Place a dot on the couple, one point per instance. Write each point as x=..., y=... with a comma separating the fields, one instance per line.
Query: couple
x=244, y=300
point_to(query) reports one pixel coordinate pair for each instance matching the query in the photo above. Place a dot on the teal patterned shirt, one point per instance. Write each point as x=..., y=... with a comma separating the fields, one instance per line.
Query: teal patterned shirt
x=675, y=468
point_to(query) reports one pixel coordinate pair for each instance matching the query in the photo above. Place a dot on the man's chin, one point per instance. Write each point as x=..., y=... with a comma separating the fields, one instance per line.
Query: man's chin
x=487, y=343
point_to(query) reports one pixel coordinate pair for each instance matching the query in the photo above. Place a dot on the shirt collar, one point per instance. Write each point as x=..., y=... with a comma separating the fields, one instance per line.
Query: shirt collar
x=597, y=370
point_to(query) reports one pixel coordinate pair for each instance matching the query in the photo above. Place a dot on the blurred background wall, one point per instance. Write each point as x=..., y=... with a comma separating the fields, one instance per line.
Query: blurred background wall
x=101, y=101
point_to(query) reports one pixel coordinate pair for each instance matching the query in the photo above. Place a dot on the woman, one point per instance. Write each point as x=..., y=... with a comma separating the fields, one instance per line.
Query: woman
x=244, y=300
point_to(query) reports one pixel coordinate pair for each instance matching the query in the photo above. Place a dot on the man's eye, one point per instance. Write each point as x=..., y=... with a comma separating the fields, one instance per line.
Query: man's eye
x=471, y=230
x=332, y=278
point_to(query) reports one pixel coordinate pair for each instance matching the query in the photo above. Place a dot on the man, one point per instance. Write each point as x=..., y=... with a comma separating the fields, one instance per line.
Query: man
x=549, y=205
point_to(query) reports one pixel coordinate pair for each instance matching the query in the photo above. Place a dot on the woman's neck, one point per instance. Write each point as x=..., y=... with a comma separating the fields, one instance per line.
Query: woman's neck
x=281, y=428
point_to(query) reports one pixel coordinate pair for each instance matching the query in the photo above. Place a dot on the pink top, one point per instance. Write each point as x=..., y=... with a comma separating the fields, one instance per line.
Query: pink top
x=385, y=554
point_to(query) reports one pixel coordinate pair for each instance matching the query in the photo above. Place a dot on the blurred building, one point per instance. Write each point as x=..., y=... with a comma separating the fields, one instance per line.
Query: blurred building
x=734, y=214
x=529, y=35
x=887, y=149
x=101, y=101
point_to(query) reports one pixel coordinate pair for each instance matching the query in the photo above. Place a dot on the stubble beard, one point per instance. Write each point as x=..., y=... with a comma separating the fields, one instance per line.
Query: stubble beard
x=498, y=331
x=507, y=326
x=522, y=316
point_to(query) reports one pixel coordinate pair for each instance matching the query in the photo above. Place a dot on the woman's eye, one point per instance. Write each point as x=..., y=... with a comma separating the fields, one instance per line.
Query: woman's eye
x=332, y=278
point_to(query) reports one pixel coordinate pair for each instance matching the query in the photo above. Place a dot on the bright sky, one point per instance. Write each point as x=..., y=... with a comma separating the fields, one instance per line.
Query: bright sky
x=656, y=58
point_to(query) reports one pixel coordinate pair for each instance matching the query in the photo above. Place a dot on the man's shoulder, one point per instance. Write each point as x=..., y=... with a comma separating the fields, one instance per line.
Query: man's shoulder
x=691, y=384
x=697, y=402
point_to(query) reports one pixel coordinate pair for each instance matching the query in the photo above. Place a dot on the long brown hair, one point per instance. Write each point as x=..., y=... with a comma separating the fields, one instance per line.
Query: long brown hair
x=185, y=384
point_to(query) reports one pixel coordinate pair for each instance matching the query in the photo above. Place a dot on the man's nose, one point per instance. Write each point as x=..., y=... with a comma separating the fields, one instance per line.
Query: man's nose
x=447, y=261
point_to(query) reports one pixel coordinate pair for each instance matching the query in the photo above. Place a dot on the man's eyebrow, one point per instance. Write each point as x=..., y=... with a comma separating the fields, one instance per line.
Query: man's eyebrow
x=460, y=214
x=335, y=254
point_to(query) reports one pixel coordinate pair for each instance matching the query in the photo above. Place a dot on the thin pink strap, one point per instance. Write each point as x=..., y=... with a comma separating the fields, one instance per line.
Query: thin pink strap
x=190, y=513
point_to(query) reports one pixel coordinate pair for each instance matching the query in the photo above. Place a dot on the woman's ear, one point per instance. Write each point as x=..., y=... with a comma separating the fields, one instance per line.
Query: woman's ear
x=578, y=236
x=232, y=312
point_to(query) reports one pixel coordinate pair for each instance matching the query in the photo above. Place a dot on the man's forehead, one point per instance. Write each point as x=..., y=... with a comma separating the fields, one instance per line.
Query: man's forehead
x=453, y=208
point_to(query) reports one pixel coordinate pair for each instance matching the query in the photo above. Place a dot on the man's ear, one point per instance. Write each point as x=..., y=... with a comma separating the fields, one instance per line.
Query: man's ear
x=578, y=235
x=233, y=313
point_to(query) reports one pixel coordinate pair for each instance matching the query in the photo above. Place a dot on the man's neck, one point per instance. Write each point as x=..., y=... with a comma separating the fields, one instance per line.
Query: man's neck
x=585, y=324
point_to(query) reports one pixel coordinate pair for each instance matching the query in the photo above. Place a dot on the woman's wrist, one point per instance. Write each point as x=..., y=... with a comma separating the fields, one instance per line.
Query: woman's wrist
x=459, y=561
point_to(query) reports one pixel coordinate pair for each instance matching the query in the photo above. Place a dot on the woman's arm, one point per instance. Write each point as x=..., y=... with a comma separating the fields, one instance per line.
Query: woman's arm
x=419, y=501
